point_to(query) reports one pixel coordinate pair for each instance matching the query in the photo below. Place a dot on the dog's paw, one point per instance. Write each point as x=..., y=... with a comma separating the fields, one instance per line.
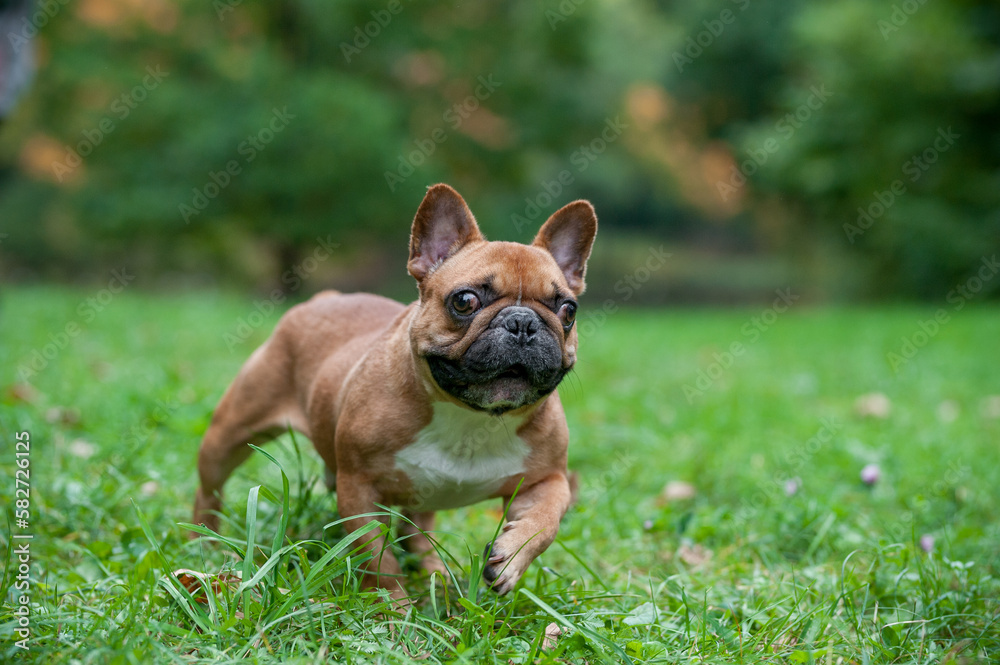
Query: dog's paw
x=499, y=572
x=507, y=558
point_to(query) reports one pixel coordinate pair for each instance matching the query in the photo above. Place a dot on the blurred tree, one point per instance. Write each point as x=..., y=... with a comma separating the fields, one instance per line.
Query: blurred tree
x=867, y=127
x=173, y=132
x=227, y=138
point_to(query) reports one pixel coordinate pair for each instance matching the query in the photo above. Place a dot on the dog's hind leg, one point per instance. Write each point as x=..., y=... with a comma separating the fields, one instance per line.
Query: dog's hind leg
x=258, y=406
x=417, y=542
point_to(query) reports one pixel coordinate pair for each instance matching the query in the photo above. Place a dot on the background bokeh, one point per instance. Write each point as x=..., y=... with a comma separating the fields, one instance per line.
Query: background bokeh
x=846, y=147
x=803, y=470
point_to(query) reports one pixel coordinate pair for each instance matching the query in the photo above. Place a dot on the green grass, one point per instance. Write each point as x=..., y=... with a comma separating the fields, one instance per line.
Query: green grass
x=740, y=573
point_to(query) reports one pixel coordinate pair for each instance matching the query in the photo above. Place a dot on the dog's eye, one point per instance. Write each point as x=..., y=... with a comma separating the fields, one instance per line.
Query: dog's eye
x=464, y=302
x=567, y=313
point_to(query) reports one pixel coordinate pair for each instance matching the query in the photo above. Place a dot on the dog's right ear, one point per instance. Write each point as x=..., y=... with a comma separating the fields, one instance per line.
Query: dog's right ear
x=568, y=235
x=442, y=226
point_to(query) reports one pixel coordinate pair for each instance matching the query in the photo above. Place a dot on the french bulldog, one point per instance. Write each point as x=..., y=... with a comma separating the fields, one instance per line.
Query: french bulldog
x=441, y=403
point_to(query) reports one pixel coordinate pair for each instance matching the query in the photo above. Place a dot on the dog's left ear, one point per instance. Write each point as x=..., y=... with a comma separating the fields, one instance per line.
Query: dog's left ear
x=568, y=236
x=442, y=226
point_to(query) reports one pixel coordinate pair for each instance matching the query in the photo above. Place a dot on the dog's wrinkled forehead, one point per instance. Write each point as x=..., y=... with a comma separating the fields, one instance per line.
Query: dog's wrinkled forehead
x=507, y=268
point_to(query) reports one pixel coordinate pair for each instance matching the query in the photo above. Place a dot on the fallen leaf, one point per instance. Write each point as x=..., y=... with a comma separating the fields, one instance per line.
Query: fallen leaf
x=990, y=407
x=189, y=579
x=873, y=405
x=82, y=449
x=552, y=633
x=678, y=490
x=62, y=416
x=693, y=555
x=22, y=392
x=948, y=410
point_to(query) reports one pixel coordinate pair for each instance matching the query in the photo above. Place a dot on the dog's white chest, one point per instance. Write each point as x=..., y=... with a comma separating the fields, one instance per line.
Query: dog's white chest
x=461, y=457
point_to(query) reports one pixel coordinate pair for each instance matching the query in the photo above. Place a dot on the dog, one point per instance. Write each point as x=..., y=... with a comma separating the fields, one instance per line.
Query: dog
x=438, y=404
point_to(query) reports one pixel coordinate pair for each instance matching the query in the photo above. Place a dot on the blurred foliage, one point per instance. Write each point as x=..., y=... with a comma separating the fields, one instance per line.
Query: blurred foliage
x=332, y=119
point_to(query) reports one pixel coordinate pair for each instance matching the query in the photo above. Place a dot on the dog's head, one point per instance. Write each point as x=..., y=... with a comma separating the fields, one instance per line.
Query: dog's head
x=495, y=321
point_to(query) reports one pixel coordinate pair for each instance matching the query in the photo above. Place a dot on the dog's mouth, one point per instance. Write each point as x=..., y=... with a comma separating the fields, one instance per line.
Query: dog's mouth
x=494, y=390
x=514, y=372
x=507, y=390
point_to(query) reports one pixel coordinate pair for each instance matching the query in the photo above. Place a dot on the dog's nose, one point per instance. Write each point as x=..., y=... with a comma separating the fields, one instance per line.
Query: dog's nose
x=521, y=322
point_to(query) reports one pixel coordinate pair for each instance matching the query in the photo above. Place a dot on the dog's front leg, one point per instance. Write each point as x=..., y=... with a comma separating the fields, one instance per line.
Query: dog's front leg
x=356, y=497
x=532, y=522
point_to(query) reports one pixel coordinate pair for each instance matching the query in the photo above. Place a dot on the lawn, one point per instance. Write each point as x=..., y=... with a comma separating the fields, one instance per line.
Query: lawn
x=721, y=518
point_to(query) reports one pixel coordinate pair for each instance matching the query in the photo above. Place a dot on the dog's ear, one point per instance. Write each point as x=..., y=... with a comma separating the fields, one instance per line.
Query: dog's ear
x=568, y=236
x=442, y=226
